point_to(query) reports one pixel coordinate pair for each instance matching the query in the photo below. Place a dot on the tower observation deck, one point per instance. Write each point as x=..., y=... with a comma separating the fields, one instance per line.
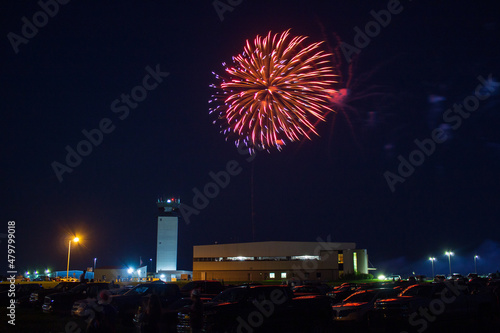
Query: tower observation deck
x=168, y=207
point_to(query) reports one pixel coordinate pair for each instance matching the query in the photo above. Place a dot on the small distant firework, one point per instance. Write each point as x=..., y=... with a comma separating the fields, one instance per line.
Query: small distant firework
x=274, y=92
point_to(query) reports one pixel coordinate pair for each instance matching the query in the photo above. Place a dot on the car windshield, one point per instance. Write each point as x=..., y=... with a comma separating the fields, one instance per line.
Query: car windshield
x=120, y=291
x=366, y=296
x=138, y=290
x=78, y=289
x=60, y=286
x=231, y=295
x=190, y=286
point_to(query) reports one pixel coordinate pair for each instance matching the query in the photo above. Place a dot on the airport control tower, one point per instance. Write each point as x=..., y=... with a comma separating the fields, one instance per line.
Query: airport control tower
x=168, y=225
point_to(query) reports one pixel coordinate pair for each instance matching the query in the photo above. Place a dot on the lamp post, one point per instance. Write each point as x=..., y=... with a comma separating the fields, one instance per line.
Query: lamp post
x=95, y=260
x=76, y=239
x=151, y=261
x=432, y=259
x=449, y=254
x=475, y=263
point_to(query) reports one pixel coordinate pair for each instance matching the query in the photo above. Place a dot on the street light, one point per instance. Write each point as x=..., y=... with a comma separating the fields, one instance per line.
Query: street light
x=432, y=259
x=76, y=239
x=449, y=254
x=475, y=263
x=95, y=260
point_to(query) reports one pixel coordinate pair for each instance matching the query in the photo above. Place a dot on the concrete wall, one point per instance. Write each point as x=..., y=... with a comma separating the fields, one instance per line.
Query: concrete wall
x=110, y=274
x=166, y=255
x=113, y=274
x=362, y=261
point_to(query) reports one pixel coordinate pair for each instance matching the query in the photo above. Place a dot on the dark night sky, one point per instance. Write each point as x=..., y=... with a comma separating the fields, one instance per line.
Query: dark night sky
x=66, y=77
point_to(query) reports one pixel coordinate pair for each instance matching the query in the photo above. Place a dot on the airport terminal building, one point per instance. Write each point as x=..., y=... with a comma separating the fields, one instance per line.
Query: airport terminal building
x=278, y=260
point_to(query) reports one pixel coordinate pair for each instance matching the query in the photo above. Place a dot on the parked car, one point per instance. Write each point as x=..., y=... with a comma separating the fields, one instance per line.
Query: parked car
x=168, y=322
x=439, y=278
x=208, y=288
x=456, y=276
x=21, y=293
x=393, y=277
x=37, y=297
x=453, y=298
x=342, y=292
x=128, y=303
x=235, y=310
x=346, y=284
x=358, y=306
x=63, y=302
x=307, y=290
x=82, y=307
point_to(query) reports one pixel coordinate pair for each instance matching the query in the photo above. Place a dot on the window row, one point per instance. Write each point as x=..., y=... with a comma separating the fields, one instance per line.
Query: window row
x=241, y=258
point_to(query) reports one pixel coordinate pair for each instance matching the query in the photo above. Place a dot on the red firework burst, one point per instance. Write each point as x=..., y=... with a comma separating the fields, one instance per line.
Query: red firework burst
x=274, y=92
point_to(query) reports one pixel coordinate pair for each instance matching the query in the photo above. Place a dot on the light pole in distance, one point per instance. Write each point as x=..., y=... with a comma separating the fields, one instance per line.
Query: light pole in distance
x=76, y=239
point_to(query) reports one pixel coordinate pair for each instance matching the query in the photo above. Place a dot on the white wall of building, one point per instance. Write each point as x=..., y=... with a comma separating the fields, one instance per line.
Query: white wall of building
x=166, y=255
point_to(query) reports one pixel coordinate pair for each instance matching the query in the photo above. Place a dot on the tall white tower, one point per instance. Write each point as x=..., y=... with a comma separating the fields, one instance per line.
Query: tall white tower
x=168, y=225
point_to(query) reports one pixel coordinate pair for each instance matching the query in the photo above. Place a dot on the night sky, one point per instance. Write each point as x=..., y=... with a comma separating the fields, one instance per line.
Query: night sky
x=66, y=77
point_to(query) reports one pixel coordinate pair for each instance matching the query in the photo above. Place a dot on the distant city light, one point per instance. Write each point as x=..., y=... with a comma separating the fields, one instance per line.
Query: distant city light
x=381, y=277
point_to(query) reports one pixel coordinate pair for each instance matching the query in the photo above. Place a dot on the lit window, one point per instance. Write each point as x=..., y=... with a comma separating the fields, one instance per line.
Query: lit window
x=355, y=260
x=341, y=258
x=240, y=258
x=272, y=275
x=283, y=275
x=306, y=257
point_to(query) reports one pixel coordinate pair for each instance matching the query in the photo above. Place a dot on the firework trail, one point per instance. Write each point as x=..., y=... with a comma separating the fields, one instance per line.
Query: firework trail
x=274, y=92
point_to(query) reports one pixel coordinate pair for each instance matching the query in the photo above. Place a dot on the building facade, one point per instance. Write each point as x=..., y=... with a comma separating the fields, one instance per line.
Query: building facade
x=256, y=261
x=117, y=273
x=168, y=225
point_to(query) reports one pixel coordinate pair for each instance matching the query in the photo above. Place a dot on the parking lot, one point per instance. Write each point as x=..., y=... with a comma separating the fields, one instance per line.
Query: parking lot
x=450, y=306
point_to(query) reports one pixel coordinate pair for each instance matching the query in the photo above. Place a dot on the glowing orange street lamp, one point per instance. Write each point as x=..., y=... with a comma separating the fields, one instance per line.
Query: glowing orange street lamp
x=76, y=239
